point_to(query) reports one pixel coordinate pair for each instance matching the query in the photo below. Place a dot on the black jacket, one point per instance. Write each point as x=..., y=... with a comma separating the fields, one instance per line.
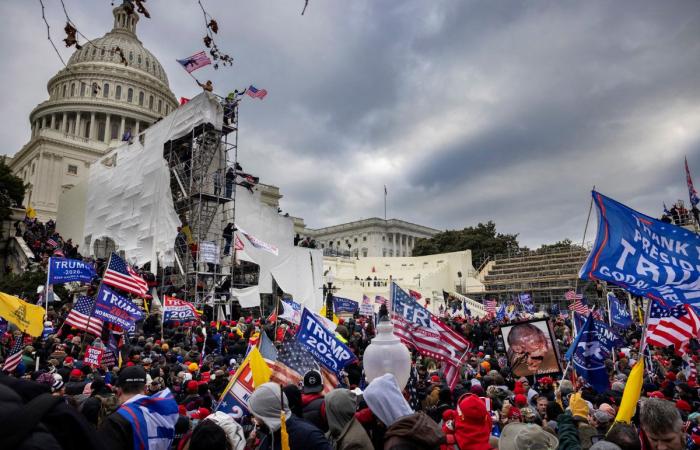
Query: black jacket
x=116, y=433
x=302, y=436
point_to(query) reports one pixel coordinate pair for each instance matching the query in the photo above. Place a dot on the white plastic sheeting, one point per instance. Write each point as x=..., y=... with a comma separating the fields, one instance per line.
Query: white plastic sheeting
x=297, y=270
x=130, y=201
x=247, y=297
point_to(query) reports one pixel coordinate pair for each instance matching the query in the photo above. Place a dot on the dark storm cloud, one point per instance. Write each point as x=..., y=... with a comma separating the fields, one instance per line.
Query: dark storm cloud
x=467, y=110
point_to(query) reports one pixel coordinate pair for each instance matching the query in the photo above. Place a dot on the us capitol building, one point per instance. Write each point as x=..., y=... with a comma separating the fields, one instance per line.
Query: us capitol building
x=92, y=103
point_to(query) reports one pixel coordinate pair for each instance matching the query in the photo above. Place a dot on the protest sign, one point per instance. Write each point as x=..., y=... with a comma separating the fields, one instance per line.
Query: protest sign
x=322, y=343
x=531, y=348
x=64, y=270
x=93, y=356
x=114, y=308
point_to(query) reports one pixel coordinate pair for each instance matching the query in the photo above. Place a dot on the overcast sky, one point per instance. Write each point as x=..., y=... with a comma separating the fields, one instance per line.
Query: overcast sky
x=468, y=111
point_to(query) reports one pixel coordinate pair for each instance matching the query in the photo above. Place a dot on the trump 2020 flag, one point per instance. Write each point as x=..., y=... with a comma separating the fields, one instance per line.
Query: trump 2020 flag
x=345, y=305
x=113, y=308
x=64, y=270
x=178, y=310
x=643, y=255
x=619, y=314
x=588, y=356
x=526, y=301
x=322, y=343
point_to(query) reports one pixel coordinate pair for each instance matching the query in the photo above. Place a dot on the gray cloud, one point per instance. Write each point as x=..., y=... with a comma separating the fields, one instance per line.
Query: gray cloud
x=467, y=110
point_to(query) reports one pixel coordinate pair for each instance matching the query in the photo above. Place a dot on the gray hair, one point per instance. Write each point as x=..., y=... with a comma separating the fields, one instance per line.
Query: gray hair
x=660, y=416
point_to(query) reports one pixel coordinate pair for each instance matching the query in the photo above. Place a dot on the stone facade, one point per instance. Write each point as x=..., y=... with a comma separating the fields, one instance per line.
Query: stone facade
x=92, y=103
x=373, y=237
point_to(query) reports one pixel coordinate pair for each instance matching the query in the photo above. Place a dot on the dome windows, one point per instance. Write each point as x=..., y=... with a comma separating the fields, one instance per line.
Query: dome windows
x=139, y=59
x=118, y=93
x=64, y=91
x=130, y=95
x=141, y=96
x=150, y=102
x=82, y=89
x=131, y=56
x=72, y=90
x=105, y=90
x=160, y=105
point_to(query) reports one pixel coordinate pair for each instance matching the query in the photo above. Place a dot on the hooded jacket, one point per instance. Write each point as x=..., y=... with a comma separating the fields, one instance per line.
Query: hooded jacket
x=266, y=405
x=385, y=400
x=472, y=424
x=414, y=432
x=345, y=432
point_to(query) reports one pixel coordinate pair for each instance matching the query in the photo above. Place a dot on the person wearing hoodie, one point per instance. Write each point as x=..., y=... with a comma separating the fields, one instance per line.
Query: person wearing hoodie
x=405, y=430
x=344, y=430
x=472, y=424
x=267, y=404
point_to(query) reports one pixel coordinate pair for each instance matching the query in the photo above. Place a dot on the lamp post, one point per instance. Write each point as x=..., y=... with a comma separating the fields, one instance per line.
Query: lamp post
x=386, y=354
x=328, y=290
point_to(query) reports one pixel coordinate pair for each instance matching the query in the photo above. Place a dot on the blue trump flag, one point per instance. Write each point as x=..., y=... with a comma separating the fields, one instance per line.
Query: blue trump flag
x=501, y=314
x=588, y=356
x=643, y=255
x=64, y=270
x=322, y=343
x=619, y=314
x=345, y=305
x=526, y=301
x=114, y=308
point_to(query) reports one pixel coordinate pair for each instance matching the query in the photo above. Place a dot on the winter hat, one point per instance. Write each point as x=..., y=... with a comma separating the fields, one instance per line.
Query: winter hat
x=385, y=399
x=578, y=406
x=57, y=383
x=191, y=387
x=519, y=436
x=477, y=389
x=472, y=423
x=76, y=373
x=193, y=367
x=518, y=389
x=520, y=400
x=683, y=406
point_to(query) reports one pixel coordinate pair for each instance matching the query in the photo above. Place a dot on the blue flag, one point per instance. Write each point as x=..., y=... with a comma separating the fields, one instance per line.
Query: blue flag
x=501, y=314
x=467, y=311
x=322, y=343
x=345, y=305
x=152, y=419
x=64, y=270
x=554, y=310
x=643, y=255
x=526, y=301
x=114, y=308
x=619, y=314
x=588, y=356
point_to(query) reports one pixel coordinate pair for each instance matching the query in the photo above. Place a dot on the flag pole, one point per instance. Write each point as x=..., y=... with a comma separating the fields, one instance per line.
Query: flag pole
x=385, y=194
x=46, y=290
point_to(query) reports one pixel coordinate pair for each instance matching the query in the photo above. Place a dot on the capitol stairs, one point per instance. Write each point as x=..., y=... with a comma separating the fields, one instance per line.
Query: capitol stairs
x=545, y=275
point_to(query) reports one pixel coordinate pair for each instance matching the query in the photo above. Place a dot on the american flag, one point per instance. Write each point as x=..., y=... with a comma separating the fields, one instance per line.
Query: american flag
x=490, y=306
x=380, y=300
x=253, y=92
x=120, y=275
x=411, y=387
x=671, y=326
x=81, y=318
x=52, y=243
x=572, y=295
x=436, y=340
x=195, y=62
x=238, y=244
x=579, y=306
x=291, y=362
x=14, y=357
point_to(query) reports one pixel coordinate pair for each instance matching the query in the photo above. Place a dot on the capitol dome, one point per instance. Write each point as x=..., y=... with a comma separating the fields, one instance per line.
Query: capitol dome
x=110, y=86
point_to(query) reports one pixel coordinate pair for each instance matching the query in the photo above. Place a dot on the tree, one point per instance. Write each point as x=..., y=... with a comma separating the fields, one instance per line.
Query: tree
x=11, y=190
x=565, y=244
x=24, y=285
x=482, y=240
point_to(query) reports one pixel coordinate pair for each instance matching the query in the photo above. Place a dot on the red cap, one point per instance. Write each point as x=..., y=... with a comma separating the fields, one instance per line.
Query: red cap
x=231, y=335
x=129, y=363
x=656, y=394
x=191, y=387
x=68, y=360
x=201, y=413
x=683, y=406
x=76, y=373
x=69, y=337
x=435, y=379
x=181, y=410
x=671, y=376
x=520, y=400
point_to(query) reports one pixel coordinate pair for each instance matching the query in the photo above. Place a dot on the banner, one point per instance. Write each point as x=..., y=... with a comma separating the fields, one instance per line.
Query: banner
x=619, y=314
x=531, y=348
x=643, y=255
x=322, y=343
x=366, y=308
x=113, y=308
x=27, y=317
x=526, y=301
x=345, y=305
x=259, y=243
x=93, y=356
x=209, y=252
x=588, y=356
x=291, y=310
x=64, y=270
x=178, y=310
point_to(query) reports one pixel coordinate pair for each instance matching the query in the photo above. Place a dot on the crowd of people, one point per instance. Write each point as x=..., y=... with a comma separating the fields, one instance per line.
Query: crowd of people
x=66, y=403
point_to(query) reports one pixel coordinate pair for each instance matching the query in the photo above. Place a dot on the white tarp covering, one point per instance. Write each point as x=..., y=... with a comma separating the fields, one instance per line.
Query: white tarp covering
x=297, y=270
x=247, y=297
x=130, y=201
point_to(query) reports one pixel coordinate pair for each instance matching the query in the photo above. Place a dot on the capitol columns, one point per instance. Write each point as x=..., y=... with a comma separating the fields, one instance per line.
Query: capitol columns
x=77, y=124
x=121, y=128
x=137, y=128
x=64, y=123
x=108, y=129
x=93, y=126
x=53, y=121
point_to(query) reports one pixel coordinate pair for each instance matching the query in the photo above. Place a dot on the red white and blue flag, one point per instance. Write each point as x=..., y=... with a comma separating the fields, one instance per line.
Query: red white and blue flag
x=52, y=243
x=120, y=275
x=671, y=326
x=15, y=356
x=694, y=199
x=254, y=92
x=194, y=62
x=81, y=317
x=490, y=306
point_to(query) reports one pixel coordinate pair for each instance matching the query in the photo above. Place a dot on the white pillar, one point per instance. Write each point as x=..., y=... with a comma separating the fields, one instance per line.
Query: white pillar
x=64, y=123
x=77, y=124
x=93, y=127
x=43, y=122
x=137, y=128
x=121, y=128
x=108, y=129
x=53, y=121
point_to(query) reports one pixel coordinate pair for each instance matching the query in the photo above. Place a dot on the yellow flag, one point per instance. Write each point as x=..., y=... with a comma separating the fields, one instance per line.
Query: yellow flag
x=284, y=436
x=28, y=318
x=258, y=367
x=630, y=396
x=322, y=313
x=31, y=212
